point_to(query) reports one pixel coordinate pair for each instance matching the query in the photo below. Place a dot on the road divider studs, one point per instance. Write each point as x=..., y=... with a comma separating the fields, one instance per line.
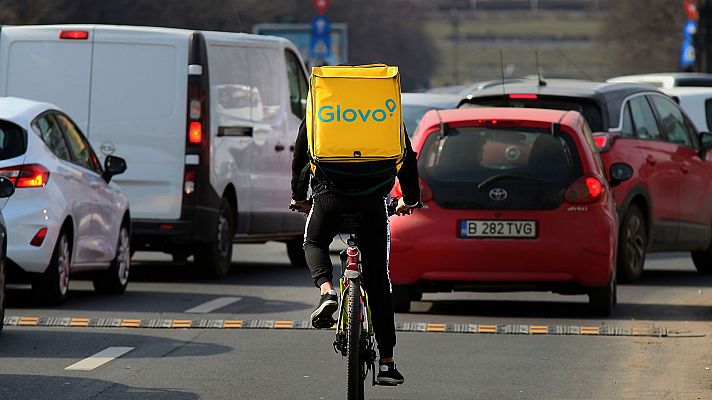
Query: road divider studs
x=500, y=329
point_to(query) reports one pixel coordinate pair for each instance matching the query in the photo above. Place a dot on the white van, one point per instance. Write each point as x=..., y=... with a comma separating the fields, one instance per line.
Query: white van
x=205, y=120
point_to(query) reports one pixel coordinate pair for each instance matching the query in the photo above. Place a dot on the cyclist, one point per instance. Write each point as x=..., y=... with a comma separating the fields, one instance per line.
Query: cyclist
x=374, y=241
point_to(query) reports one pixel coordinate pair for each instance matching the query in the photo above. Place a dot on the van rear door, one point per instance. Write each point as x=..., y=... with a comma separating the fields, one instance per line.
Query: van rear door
x=48, y=63
x=138, y=112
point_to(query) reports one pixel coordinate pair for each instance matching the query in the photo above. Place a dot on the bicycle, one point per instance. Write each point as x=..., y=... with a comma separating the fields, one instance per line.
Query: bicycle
x=354, y=330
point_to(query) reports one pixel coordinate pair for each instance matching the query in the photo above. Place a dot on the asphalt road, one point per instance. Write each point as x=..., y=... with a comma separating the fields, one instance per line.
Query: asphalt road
x=670, y=310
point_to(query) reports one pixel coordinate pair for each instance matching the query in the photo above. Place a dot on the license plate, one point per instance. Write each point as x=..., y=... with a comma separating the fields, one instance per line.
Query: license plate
x=498, y=229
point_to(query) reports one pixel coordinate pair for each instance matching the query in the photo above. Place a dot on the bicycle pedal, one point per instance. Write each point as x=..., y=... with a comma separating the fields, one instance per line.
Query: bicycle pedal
x=323, y=323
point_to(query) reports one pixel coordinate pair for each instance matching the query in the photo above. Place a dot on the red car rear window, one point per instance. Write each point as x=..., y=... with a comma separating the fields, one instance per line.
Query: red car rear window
x=535, y=166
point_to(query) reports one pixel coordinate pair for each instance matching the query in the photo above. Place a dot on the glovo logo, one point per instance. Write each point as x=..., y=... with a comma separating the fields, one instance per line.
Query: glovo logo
x=338, y=114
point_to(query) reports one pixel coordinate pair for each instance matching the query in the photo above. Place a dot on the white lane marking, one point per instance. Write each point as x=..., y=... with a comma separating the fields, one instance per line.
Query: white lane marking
x=213, y=305
x=99, y=359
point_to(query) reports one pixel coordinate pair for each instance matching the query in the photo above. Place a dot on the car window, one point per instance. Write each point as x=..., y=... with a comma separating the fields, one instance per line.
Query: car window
x=297, y=85
x=47, y=128
x=644, y=123
x=673, y=121
x=708, y=114
x=627, y=128
x=534, y=166
x=79, y=147
x=589, y=109
x=13, y=140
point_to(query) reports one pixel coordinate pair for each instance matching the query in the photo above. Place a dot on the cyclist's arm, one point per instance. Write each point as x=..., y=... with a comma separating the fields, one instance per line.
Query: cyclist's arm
x=300, y=165
x=408, y=176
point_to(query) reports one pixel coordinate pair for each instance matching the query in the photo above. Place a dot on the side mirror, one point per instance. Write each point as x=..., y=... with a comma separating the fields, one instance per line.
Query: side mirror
x=7, y=188
x=620, y=172
x=113, y=166
x=705, y=144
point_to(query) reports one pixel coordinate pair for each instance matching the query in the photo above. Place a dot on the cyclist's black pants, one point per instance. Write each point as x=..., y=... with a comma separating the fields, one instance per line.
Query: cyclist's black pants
x=373, y=241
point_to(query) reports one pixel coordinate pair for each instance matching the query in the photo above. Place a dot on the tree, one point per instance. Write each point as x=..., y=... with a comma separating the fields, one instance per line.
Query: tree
x=644, y=35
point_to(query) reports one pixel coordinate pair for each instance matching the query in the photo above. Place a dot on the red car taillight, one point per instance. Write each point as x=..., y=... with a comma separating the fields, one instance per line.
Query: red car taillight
x=27, y=175
x=603, y=141
x=586, y=190
x=426, y=194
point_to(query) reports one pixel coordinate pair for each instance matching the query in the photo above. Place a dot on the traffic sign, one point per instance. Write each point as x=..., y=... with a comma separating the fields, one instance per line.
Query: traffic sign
x=319, y=46
x=687, y=54
x=320, y=25
x=690, y=29
x=321, y=5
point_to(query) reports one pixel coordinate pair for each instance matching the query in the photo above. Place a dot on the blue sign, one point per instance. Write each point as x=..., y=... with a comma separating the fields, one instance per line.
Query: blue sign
x=319, y=46
x=320, y=25
x=690, y=29
x=687, y=54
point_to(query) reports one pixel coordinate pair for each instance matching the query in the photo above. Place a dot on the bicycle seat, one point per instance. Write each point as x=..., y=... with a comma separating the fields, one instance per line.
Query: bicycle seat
x=351, y=222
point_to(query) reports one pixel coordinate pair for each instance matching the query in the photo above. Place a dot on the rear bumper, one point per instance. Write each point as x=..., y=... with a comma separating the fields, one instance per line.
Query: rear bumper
x=167, y=235
x=580, y=253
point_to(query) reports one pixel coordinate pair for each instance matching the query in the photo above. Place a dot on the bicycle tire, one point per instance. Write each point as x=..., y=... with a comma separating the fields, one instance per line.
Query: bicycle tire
x=354, y=383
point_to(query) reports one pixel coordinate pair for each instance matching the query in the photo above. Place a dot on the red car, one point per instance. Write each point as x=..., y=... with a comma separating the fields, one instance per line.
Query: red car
x=514, y=199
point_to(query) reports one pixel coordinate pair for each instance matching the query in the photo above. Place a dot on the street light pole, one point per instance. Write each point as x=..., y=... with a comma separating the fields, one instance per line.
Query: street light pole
x=455, y=21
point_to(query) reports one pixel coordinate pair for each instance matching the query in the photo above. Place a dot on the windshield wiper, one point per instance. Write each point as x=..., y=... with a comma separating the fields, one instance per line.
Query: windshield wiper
x=510, y=177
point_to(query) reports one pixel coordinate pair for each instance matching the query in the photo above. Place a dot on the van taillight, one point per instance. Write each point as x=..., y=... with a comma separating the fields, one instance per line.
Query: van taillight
x=26, y=176
x=585, y=190
x=195, y=132
x=74, y=35
x=189, y=181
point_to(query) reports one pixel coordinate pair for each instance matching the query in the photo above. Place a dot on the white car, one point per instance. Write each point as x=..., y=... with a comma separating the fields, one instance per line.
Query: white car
x=64, y=217
x=667, y=80
x=697, y=103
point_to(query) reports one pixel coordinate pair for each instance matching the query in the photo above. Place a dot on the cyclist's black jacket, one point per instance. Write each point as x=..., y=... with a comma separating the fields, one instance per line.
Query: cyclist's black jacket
x=407, y=175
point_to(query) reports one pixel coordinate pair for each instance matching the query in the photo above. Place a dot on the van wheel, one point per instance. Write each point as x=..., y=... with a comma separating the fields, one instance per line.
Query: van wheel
x=601, y=300
x=295, y=251
x=215, y=257
x=632, y=246
x=401, y=298
x=52, y=287
x=115, y=279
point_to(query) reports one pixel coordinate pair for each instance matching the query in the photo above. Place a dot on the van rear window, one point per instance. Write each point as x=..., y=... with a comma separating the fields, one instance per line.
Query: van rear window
x=13, y=140
x=534, y=166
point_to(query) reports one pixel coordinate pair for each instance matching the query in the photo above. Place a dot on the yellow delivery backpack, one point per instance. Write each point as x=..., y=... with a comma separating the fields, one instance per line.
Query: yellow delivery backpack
x=354, y=127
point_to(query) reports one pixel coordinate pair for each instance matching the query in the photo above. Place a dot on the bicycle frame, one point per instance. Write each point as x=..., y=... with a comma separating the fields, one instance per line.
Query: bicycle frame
x=351, y=270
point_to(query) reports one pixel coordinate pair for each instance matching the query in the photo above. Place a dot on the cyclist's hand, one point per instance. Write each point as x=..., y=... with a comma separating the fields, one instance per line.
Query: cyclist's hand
x=303, y=206
x=403, y=209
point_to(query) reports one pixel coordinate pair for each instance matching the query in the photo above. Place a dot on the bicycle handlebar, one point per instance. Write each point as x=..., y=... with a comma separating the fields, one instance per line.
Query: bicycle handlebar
x=394, y=204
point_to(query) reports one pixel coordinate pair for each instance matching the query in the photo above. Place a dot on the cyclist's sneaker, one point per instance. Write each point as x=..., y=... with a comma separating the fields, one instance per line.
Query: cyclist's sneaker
x=388, y=375
x=322, y=317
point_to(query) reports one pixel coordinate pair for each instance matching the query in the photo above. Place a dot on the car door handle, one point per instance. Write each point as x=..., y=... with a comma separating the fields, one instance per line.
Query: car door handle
x=279, y=147
x=651, y=160
x=291, y=148
x=685, y=167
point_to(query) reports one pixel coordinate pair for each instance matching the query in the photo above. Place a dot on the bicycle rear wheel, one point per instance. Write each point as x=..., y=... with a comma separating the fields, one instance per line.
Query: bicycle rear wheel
x=354, y=381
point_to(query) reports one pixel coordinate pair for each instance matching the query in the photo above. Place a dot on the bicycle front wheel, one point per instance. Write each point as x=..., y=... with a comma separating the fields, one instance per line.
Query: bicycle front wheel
x=354, y=382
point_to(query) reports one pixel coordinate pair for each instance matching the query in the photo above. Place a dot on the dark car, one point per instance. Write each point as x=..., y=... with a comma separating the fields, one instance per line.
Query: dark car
x=667, y=204
x=6, y=190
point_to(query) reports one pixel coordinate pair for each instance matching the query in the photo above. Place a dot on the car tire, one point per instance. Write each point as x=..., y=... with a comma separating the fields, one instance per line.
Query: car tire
x=2, y=289
x=703, y=260
x=52, y=287
x=215, y=257
x=632, y=246
x=602, y=299
x=401, y=298
x=295, y=251
x=115, y=279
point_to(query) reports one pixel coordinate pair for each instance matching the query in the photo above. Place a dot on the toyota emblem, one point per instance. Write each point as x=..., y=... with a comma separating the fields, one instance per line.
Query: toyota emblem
x=498, y=194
